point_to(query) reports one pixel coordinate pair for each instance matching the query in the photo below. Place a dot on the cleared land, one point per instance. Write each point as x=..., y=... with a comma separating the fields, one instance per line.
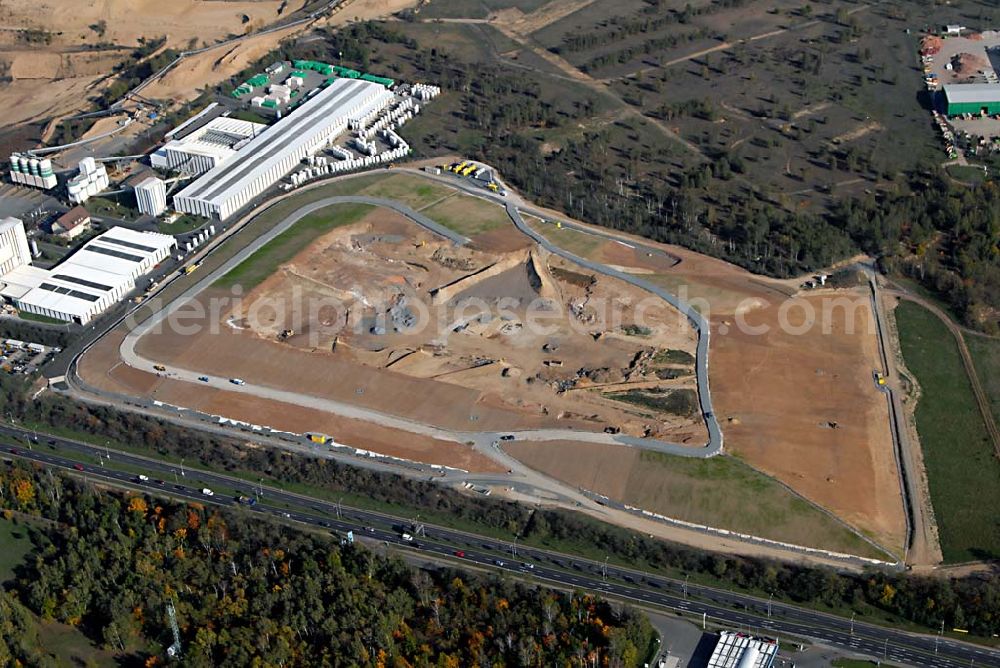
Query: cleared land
x=963, y=474
x=721, y=492
x=412, y=319
x=798, y=405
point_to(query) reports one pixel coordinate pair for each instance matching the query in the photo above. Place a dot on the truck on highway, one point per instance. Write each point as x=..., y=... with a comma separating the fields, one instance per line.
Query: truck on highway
x=237, y=381
x=207, y=492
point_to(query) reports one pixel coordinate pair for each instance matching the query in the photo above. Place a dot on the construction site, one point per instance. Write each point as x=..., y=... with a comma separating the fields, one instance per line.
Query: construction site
x=408, y=316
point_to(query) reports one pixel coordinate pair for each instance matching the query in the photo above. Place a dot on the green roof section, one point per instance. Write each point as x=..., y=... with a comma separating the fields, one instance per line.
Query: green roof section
x=385, y=81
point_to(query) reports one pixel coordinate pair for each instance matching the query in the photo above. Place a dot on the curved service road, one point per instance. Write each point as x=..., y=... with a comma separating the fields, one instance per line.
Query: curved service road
x=713, y=447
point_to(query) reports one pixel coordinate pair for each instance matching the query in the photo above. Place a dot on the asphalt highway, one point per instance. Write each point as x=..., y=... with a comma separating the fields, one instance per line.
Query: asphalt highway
x=720, y=606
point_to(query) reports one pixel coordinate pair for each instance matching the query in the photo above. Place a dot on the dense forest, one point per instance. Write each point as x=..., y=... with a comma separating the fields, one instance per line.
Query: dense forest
x=971, y=602
x=252, y=592
x=928, y=227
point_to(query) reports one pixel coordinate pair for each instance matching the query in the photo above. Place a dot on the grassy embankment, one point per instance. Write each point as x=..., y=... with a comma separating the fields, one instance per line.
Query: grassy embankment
x=964, y=475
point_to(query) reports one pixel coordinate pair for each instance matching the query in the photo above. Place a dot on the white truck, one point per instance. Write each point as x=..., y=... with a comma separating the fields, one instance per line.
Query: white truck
x=207, y=492
x=407, y=537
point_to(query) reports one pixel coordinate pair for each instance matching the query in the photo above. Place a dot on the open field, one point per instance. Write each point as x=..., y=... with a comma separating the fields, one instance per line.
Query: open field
x=469, y=216
x=381, y=257
x=722, y=491
x=986, y=357
x=963, y=474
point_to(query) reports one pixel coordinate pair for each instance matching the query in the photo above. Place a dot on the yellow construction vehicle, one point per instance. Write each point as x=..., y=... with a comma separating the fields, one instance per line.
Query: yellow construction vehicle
x=458, y=168
x=492, y=185
x=471, y=168
x=558, y=225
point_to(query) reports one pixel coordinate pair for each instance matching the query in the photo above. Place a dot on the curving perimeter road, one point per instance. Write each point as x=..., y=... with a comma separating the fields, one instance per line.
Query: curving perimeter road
x=713, y=447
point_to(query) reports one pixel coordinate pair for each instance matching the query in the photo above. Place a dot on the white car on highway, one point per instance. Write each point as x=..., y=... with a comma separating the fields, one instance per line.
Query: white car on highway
x=207, y=492
x=237, y=381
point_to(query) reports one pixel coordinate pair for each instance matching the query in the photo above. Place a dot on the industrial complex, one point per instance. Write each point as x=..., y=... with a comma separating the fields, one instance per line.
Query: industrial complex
x=89, y=281
x=271, y=155
x=206, y=147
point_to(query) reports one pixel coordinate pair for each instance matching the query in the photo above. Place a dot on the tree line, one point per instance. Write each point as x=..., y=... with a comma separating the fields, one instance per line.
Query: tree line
x=246, y=591
x=944, y=234
x=971, y=602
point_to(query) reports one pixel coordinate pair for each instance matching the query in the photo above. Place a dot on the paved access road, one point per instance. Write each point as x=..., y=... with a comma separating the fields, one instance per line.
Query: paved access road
x=439, y=543
x=131, y=357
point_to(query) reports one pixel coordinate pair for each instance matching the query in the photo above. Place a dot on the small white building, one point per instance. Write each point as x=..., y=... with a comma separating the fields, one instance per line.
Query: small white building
x=953, y=30
x=151, y=196
x=92, y=179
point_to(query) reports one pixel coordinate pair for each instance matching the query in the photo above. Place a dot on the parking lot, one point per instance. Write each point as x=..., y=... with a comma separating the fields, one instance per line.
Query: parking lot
x=21, y=357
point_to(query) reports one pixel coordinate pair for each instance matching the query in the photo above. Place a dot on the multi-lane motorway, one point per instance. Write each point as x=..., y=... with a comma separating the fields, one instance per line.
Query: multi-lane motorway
x=719, y=606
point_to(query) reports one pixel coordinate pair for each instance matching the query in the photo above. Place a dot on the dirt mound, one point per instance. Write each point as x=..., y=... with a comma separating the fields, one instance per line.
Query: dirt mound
x=968, y=64
x=930, y=45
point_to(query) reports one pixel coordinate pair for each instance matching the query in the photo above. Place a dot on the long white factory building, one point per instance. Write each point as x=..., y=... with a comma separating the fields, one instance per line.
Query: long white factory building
x=271, y=155
x=86, y=283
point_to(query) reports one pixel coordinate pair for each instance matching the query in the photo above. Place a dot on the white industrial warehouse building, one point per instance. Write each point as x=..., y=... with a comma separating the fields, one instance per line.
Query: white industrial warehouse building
x=207, y=147
x=740, y=650
x=264, y=160
x=90, y=280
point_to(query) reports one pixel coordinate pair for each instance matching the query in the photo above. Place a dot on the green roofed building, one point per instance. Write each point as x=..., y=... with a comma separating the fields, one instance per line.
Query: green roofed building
x=973, y=99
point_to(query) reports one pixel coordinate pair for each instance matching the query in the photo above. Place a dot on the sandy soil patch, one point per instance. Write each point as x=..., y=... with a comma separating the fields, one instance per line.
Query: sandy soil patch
x=546, y=15
x=784, y=391
x=128, y=20
x=102, y=369
x=22, y=102
x=519, y=327
x=805, y=409
x=185, y=80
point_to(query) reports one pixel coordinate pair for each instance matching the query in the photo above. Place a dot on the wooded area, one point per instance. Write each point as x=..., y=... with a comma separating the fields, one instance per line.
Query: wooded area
x=971, y=602
x=927, y=226
x=248, y=591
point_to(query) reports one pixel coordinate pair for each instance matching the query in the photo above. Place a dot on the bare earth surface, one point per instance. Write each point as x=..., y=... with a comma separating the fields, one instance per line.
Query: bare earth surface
x=101, y=369
x=801, y=407
x=474, y=348
x=57, y=78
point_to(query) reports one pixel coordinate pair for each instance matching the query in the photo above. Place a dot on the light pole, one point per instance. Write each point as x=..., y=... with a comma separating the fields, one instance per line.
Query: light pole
x=260, y=487
x=885, y=649
x=106, y=452
x=339, y=511
x=513, y=547
x=604, y=569
x=938, y=639
x=684, y=588
x=852, y=623
x=769, y=598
